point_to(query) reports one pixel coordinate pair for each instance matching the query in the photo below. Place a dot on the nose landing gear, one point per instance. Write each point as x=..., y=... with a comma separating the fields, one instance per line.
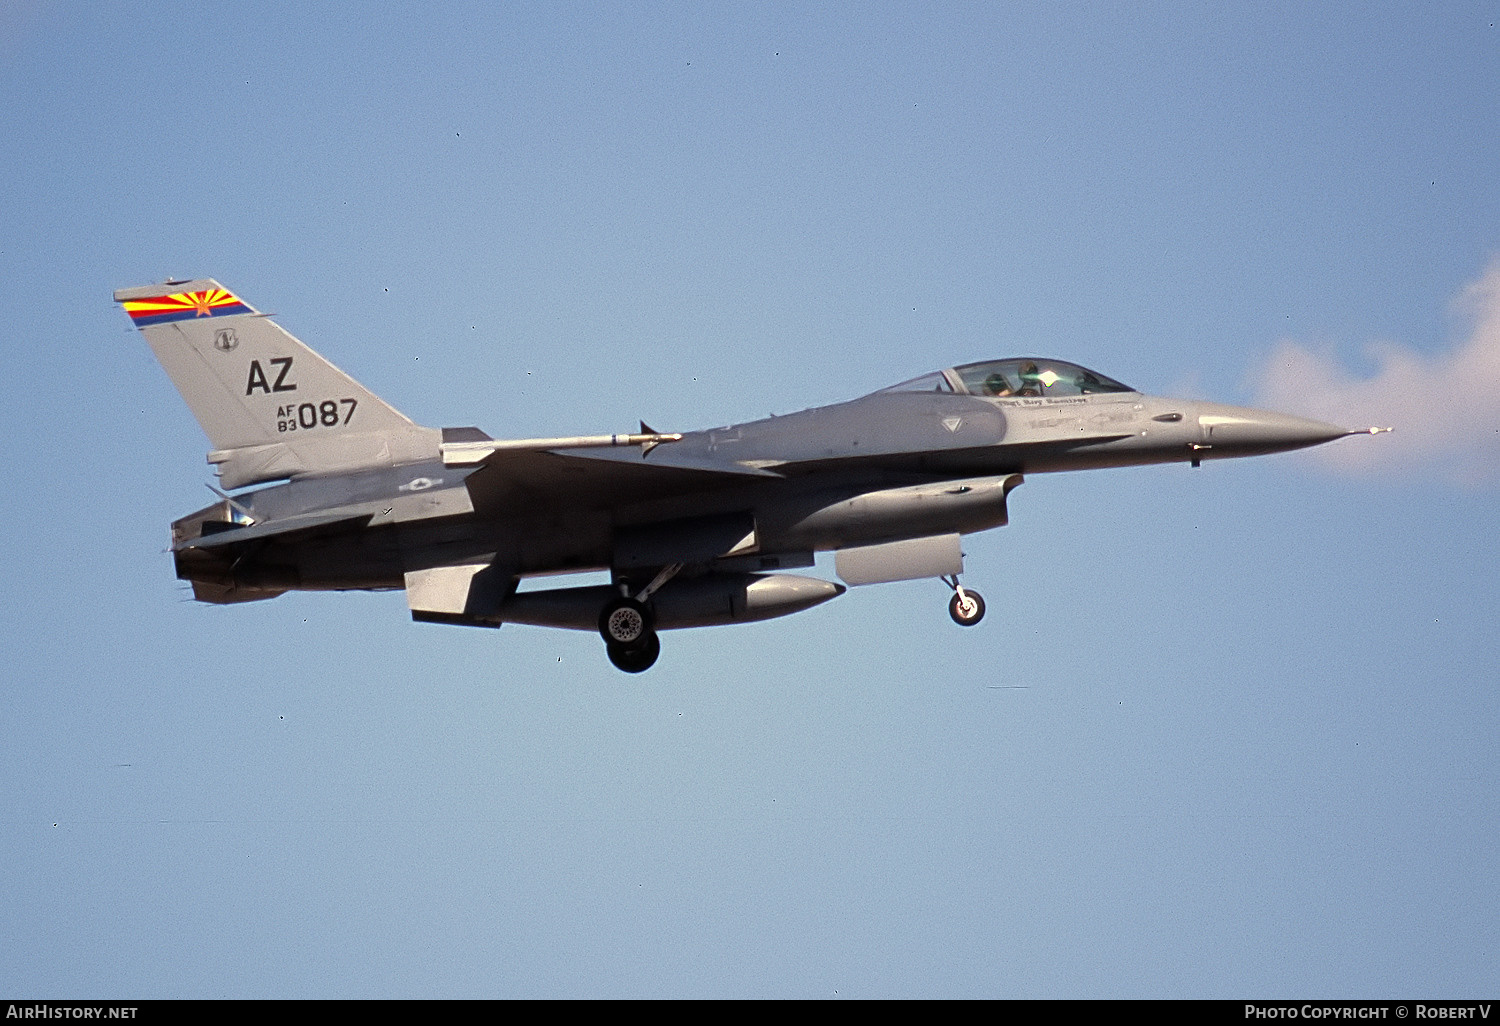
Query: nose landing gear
x=966, y=606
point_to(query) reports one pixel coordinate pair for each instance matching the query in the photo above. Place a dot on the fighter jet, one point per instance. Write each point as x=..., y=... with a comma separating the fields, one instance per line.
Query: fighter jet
x=694, y=528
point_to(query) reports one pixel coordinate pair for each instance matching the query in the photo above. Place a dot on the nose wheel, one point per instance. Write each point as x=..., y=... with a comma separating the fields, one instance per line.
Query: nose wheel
x=966, y=606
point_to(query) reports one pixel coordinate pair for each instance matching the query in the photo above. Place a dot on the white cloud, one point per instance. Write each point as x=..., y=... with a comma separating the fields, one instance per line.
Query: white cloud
x=1445, y=407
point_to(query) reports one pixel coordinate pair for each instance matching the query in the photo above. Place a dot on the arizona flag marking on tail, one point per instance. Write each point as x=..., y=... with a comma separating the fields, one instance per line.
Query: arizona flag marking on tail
x=183, y=305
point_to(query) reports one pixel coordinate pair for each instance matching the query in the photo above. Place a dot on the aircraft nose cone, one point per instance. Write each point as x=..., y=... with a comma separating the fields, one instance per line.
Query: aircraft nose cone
x=1239, y=430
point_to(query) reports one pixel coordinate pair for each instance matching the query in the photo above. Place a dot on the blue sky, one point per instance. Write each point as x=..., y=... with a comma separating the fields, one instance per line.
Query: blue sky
x=1225, y=732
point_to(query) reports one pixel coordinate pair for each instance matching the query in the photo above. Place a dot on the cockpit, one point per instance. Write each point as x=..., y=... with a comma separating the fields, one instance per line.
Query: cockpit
x=1023, y=377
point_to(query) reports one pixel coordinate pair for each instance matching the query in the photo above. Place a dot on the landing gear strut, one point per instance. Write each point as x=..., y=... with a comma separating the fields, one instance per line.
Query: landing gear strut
x=966, y=606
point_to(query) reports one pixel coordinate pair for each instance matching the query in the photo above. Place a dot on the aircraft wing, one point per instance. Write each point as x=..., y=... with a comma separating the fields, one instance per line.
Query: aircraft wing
x=592, y=478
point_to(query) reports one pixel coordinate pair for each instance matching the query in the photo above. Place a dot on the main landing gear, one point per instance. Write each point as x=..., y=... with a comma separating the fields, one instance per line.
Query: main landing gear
x=635, y=660
x=966, y=606
x=629, y=633
x=628, y=626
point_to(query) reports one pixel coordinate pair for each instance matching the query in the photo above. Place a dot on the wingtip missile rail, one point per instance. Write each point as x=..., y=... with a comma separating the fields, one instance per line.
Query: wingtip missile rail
x=463, y=454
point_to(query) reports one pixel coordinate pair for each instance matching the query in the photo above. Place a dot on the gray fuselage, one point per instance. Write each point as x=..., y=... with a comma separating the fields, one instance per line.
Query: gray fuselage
x=887, y=466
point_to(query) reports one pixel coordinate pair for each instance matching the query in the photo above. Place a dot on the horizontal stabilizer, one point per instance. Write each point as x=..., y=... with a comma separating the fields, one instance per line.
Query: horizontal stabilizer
x=274, y=529
x=230, y=594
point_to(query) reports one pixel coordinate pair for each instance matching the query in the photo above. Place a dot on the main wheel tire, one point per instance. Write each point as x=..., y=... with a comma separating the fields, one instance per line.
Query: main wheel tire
x=625, y=622
x=635, y=660
x=966, y=609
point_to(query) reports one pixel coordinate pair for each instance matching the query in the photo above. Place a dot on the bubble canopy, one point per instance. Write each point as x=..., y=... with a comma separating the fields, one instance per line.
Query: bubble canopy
x=1021, y=377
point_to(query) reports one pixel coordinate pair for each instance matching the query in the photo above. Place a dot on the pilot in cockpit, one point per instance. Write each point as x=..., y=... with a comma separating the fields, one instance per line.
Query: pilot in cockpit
x=1031, y=380
x=997, y=385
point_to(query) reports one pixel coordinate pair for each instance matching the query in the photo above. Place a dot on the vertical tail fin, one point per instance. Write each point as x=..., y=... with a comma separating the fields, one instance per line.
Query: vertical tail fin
x=271, y=407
